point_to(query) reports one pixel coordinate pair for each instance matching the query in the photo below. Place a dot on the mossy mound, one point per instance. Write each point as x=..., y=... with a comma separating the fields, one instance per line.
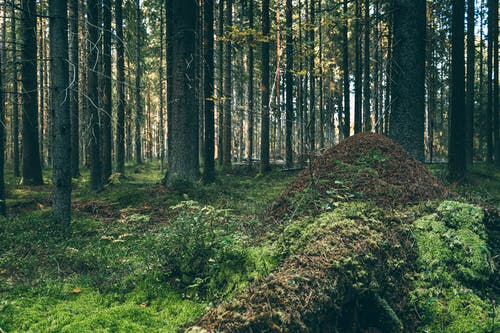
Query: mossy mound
x=451, y=290
x=366, y=166
x=344, y=270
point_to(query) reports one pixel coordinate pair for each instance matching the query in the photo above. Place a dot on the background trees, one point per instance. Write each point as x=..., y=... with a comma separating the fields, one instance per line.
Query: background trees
x=387, y=60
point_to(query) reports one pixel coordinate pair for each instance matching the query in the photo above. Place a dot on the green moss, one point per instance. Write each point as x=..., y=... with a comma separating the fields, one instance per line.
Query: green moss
x=454, y=258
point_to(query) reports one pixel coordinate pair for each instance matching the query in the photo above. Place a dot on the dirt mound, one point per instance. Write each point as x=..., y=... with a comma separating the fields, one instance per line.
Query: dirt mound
x=366, y=166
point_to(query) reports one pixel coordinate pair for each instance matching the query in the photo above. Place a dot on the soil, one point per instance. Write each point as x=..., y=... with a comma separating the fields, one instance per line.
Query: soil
x=366, y=166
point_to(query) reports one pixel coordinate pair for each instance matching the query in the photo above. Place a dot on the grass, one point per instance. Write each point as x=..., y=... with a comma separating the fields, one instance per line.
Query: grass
x=110, y=275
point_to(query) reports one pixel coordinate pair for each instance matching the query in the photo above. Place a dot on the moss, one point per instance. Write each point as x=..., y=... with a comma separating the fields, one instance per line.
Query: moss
x=453, y=258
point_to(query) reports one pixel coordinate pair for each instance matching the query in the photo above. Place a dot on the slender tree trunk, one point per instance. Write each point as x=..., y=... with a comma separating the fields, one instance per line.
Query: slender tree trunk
x=183, y=158
x=489, y=108
x=289, y=84
x=32, y=169
x=345, y=66
x=471, y=51
x=321, y=99
x=74, y=91
x=169, y=58
x=208, y=35
x=265, y=165
x=312, y=80
x=358, y=70
x=378, y=58
x=61, y=170
x=388, y=69
x=42, y=74
x=456, y=145
x=220, y=85
x=161, y=129
x=107, y=116
x=3, y=208
x=93, y=96
x=496, y=109
x=15, y=89
x=138, y=74
x=366, y=89
x=226, y=129
x=120, y=89
x=251, y=125
x=408, y=91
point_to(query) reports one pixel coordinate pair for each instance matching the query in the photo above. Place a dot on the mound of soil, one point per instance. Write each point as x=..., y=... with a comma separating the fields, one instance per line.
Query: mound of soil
x=348, y=277
x=366, y=166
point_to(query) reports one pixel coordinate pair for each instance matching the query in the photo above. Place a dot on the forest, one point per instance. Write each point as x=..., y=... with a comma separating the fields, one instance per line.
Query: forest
x=249, y=166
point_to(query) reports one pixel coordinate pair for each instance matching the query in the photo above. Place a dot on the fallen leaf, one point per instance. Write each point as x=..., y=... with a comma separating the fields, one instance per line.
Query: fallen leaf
x=76, y=290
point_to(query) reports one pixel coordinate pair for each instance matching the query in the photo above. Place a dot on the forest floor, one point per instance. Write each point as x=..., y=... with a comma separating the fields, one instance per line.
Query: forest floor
x=144, y=258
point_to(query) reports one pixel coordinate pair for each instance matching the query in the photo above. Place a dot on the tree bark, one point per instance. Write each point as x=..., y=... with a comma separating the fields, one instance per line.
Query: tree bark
x=138, y=96
x=408, y=76
x=251, y=118
x=471, y=52
x=32, y=169
x=366, y=67
x=265, y=165
x=15, y=92
x=3, y=207
x=120, y=89
x=289, y=84
x=358, y=70
x=208, y=36
x=183, y=119
x=61, y=169
x=345, y=68
x=106, y=115
x=93, y=96
x=456, y=145
x=226, y=129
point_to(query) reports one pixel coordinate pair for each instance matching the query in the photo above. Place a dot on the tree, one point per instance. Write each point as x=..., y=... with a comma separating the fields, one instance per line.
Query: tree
x=345, y=70
x=289, y=84
x=312, y=80
x=31, y=169
x=265, y=165
x=74, y=91
x=208, y=36
x=61, y=169
x=366, y=66
x=120, y=89
x=250, y=132
x=93, y=96
x=183, y=158
x=106, y=114
x=3, y=208
x=496, y=108
x=226, y=128
x=357, y=70
x=138, y=97
x=220, y=83
x=408, y=75
x=15, y=93
x=469, y=98
x=456, y=148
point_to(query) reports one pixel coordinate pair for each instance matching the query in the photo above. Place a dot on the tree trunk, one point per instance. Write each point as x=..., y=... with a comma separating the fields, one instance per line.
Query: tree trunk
x=93, y=96
x=471, y=51
x=15, y=92
x=183, y=120
x=489, y=107
x=120, y=89
x=496, y=109
x=456, y=145
x=358, y=70
x=106, y=115
x=138, y=97
x=61, y=169
x=74, y=91
x=161, y=129
x=312, y=80
x=250, y=134
x=408, y=76
x=208, y=36
x=32, y=169
x=265, y=166
x=220, y=85
x=345, y=68
x=3, y=208
x=289, y=84
x=226, y=128
x=366, y=89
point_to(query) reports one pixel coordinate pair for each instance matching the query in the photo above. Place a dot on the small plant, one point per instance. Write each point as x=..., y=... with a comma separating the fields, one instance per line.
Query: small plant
x=202, y=251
